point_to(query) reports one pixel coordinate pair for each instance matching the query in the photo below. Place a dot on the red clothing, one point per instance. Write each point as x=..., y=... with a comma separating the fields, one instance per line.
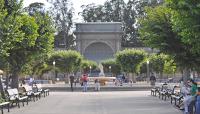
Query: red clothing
x=84, y=78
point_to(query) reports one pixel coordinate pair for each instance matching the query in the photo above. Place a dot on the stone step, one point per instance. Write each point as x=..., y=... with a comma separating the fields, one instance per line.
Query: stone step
x=60, y=89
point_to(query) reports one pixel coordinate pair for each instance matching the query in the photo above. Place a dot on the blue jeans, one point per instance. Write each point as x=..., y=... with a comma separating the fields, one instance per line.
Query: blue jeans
x=198, y=105
x=84, y=86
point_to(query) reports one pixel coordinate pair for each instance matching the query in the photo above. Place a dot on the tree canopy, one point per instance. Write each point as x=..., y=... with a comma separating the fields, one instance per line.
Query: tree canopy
x=130, y=59
x=26, y=37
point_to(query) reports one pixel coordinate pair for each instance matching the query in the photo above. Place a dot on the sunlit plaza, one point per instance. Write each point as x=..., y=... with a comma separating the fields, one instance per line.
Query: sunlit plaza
x=99, y=57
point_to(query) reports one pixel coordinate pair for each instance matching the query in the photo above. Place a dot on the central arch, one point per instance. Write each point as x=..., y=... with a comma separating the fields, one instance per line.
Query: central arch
x=98, y=51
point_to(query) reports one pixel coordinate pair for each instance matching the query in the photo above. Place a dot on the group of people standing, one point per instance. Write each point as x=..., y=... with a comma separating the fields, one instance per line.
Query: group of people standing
x=84, y=83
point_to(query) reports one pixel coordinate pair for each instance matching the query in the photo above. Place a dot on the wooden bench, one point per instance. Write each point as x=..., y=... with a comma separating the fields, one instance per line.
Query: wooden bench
x=14, y=97
x=45, y=92
x=32, y=93
x=5, y=104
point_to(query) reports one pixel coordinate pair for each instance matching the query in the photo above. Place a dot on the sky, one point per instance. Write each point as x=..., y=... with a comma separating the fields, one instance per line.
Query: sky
x=76, y=4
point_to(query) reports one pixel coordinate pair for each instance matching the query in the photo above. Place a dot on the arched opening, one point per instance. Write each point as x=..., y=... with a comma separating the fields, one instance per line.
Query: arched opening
x=98, y=51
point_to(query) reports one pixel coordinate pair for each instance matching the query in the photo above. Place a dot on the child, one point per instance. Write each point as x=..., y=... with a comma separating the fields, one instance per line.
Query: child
x=97, y=85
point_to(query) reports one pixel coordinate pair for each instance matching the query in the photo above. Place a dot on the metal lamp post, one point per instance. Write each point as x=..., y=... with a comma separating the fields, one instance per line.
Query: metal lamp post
x=54, y=63
x=90, y=70
x=147, y=71
x=110, y=70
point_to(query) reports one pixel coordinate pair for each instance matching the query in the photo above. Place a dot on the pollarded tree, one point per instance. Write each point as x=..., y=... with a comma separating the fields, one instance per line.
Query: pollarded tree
x=66, y=61
x=161, y=63
x=130, y=60
x=112, y=66
x=87, y=65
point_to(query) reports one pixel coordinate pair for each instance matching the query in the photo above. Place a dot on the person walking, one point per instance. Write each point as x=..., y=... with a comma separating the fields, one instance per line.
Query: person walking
x=71, y=82
x=85, y=80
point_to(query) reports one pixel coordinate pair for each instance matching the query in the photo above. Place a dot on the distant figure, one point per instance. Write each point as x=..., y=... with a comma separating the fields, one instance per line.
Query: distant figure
x=71, y=82
x=152, y=80
x=31, y=81
x=131, y=82
x=123, y=78
x=84, y=81
x=97, y=85
x=76, y=81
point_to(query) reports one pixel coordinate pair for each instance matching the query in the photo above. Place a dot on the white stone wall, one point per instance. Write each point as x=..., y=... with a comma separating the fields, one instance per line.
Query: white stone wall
x=106, y=35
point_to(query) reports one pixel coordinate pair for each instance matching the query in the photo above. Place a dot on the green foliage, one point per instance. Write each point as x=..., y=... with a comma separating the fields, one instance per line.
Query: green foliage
x=116, y=11
x=23, y=50
x=111, y=65
x=170, y=66
x=157, y=62
x=40, y=44
x=162, y=63
x=66, y=61
x=159, y=30
x=23, y=38
x=185, y=19
x=156, y=29
x=62, y=13
x=9, y=28
x=86, y=64
x=130, y=59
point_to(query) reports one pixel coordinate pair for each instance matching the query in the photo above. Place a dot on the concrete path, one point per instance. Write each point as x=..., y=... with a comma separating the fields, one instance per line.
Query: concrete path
x=126, y=102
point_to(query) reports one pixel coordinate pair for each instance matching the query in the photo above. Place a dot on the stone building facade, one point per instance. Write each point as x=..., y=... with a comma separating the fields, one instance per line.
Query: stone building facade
x=98, y=41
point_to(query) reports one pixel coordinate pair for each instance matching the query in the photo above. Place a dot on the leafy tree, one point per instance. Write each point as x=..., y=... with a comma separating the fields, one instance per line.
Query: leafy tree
x=9, y=29
x=62, y=13
x=86, y=64
x=45, y=39
x=66, y=61
x=23, y=49
x=115, y=11
x=92, y=13
x=112, y=66
x=158, y=30
x=170, y=67
x=161, y=63
x=130, y=60
x=25, y=37
x=119, y=11
x=35, y=7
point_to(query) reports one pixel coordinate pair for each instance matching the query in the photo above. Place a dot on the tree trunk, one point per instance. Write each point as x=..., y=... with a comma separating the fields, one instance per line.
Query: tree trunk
x=15, y=81
x=1, y=89
x=186, y=75
x=66, y=78
x=161, y=75
x=132, y=77
x=7, y=81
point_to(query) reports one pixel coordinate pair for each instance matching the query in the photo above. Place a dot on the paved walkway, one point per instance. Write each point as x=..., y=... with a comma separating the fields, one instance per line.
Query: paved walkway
x=128, y=102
